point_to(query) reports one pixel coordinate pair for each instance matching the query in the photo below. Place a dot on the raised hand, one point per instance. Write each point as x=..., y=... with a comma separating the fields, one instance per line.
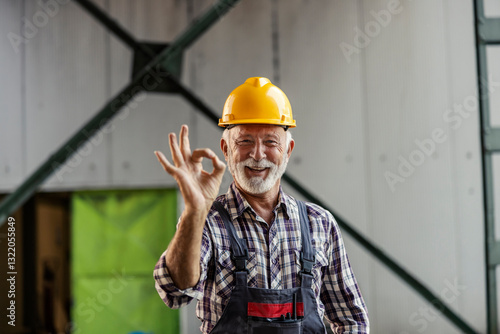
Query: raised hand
x=198, y=187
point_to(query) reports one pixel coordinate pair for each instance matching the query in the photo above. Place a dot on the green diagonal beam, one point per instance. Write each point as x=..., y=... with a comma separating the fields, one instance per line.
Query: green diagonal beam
x=139, y=84
x=128, y=39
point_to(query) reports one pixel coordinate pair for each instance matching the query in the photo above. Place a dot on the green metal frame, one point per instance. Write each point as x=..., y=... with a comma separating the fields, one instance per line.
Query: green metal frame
x=164, y=60
x=488, y=33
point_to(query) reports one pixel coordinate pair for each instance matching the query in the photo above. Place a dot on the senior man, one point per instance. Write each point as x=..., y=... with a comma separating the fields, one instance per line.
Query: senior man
x=256, y=259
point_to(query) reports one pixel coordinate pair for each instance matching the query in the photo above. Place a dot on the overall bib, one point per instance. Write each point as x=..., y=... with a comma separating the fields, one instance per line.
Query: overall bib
x=270, y=311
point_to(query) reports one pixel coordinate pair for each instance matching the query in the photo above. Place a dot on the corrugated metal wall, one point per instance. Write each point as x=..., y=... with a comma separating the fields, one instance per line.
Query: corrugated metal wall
x=376, y=88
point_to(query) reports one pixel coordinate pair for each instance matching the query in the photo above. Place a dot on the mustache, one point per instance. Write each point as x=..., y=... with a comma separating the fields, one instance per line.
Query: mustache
x=264, y=163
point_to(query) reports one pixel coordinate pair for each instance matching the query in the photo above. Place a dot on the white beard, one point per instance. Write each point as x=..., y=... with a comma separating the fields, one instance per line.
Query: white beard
x=256, y=185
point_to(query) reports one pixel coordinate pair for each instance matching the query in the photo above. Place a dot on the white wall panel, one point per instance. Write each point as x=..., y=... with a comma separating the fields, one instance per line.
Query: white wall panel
x=491, y=8
x=466, y=163
x=325, y=90
x=493, y=86
x=496, y=192
x=65, y=85
x=405, y=97
x=156, y=21
x=144, y=125
x=409, y=91
x=12, y=143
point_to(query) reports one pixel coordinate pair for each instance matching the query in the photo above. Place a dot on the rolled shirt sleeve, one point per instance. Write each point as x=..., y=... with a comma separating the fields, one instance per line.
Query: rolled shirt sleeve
x=172, y=296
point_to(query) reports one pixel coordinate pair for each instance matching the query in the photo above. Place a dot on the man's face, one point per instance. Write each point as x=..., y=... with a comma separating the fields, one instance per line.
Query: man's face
x=257, y=156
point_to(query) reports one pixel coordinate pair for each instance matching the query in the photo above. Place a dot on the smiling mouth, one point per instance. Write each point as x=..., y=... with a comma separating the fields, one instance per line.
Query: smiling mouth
x=257, y=169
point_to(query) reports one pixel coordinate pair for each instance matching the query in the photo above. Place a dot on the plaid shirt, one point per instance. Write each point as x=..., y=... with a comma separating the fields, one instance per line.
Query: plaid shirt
x=274, y=263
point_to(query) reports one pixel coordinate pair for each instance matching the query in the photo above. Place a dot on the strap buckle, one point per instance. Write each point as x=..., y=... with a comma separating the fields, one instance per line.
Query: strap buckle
x=307, y=265
x=240, y=262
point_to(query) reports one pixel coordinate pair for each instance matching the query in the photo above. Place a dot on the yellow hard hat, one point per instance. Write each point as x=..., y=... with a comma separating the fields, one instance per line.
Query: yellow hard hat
x=257, y=101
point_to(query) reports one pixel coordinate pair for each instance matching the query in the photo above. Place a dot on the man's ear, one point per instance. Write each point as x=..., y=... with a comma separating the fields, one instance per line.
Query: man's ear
x=223, y=147
x=290, y=147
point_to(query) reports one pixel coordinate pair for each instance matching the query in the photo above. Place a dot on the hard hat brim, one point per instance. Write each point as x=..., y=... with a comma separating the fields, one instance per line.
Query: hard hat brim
x=257, y=121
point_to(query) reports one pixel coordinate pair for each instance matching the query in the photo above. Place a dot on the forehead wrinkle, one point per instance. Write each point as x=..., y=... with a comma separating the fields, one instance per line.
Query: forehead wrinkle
x=259, y=131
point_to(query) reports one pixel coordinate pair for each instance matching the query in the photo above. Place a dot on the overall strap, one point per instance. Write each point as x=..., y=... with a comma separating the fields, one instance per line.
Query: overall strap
x=307, y=256
x=239, y=250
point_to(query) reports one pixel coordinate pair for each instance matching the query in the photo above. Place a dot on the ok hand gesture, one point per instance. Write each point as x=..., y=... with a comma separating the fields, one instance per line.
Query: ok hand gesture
x=198, y=187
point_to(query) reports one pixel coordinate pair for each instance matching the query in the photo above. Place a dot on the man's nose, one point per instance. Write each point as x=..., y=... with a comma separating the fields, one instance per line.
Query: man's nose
x=258, y=152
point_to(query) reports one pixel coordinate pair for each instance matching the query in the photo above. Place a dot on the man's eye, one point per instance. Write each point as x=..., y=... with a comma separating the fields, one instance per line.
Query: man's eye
x=272, y=142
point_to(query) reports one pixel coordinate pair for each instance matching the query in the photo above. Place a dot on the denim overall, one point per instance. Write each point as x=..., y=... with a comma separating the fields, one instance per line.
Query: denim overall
x=266, y=311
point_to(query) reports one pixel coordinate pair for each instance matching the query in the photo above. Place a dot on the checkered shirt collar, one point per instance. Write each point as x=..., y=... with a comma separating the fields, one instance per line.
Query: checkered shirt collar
x=236, y=204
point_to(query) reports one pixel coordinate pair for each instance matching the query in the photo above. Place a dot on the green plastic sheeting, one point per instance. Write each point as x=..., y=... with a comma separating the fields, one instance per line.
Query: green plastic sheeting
x=117, y=237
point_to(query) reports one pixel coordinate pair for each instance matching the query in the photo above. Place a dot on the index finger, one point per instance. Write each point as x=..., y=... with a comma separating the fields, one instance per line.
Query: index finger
x=184, y=142
x=201, y=153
